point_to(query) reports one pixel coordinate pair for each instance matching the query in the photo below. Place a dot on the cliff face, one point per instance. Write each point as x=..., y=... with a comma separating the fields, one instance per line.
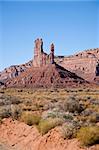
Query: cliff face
x=83, y=64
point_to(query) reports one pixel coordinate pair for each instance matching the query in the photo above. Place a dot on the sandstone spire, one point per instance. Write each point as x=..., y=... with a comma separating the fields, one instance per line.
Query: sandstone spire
x=38, y=50
x=52, y=54
x=40, y=57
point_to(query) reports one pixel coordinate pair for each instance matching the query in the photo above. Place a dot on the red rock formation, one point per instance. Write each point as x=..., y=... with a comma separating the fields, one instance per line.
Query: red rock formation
x=13, y=71
x=40, y=57
x=83, y=63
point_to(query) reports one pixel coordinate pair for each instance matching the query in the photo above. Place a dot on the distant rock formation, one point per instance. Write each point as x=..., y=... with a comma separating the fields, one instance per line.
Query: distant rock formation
x=84, y=64
x=40, y=57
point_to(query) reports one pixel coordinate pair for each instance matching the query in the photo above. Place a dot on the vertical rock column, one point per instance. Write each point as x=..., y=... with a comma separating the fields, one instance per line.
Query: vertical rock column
x=52, y=54
x=38, y=50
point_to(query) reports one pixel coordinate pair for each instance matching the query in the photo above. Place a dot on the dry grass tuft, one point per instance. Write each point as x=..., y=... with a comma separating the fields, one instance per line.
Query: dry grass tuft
x=88, y=135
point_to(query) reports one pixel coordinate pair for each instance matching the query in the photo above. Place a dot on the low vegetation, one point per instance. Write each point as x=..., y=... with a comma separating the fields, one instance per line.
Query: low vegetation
x=30, y=119
x=72, y=104
x=75, y=111
x=45, y=125
x=69, y=130
x=88, y=135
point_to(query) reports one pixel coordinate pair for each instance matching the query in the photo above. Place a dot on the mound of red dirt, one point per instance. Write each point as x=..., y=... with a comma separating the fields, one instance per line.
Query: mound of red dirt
x=51, y=75
x=19, y=136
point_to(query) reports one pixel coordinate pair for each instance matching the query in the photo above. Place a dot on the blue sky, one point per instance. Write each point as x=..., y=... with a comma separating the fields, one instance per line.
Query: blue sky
x=71, y=25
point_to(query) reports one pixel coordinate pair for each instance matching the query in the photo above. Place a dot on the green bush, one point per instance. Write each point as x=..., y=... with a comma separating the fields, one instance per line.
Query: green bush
x=29, y=118
x=45, y=125
x=88, y=135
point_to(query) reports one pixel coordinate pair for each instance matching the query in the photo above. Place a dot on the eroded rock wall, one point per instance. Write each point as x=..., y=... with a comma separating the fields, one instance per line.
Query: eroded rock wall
x=83, y=64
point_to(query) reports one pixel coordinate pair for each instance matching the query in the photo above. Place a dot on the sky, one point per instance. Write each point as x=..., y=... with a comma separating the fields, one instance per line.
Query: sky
x=72, y=26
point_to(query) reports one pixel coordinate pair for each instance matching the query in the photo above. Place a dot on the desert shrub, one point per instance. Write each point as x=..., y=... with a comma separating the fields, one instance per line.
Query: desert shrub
x=94, y=118
x=88, y=135
x=1, y=102
x=87, y=112
x=15, y=111
x=57, y=113
x=5, y=111
x=69, y=130
x=45, y=125
x=29, y=118
x=4, y=100
x=14, y=100
x=8, y=100
x=91, y=115
x=94, y=101
x=72, y=105
x=68, y=116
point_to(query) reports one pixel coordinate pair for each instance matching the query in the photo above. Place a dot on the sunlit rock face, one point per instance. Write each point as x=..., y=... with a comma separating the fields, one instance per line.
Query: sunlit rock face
x=14, y=71
x=83, y=63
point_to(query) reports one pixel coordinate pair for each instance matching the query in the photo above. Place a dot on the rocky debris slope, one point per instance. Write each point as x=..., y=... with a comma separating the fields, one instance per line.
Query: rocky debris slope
x=20, y=136
x=83, y=63
x=51, y=75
